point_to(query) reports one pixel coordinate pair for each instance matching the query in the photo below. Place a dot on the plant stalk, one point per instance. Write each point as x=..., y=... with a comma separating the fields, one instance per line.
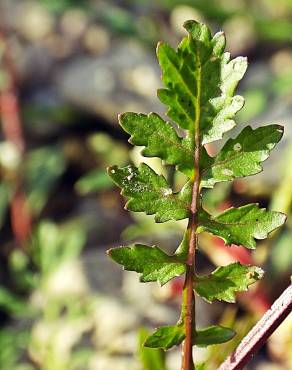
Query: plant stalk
x=258, y=335
x=189, y=300
x=21, y=219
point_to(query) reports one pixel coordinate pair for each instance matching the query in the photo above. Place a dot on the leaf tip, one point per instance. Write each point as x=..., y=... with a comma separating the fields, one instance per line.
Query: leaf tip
x=191, y=26
x=121, y=117
x=108, y=252
x=111, y=253
x=111, y=170
x=280, y=128
x=158, y=46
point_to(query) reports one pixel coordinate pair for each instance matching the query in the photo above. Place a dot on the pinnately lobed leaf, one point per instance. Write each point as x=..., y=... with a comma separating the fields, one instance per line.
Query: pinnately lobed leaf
x=151, y=359
x=151, y=262
x=241, y=225
x=159, y=138
x=243, y=155
x=225, y=281
x=215, y=334
x=168, y=336
x=200, y=79
x=199, y=71
x=150, y=193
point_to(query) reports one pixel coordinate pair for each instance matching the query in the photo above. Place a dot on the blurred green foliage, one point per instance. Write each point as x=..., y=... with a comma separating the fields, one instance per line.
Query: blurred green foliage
x=151, y=359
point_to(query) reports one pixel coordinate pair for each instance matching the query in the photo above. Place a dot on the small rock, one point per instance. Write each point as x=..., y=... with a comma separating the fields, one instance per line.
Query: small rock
x=96, y=39
x=33, y=20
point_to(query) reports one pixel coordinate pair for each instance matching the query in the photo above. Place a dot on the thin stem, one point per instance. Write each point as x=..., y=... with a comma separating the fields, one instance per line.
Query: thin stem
x=258, y=335
x=189, y=297
x=13, y=133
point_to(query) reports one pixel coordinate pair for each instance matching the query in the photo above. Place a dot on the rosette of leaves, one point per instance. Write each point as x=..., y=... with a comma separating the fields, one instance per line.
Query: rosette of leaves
x=200, y=79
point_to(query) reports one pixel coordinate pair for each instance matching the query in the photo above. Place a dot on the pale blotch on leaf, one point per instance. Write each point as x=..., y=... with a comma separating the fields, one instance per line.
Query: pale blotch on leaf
x=227, y=172
x=237, y=147
x=166, y=192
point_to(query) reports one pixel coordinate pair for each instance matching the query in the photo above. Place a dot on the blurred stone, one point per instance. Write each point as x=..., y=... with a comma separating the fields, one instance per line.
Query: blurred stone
x=142, y=80
x=124, y=344
x=99, y=85
x=33, y=20
x=280, y=343
x=102, y=361
x=60, y=281
x=281, y=62
x=112, y=318
x=35, y=66
x=53, y=340
x=268, y=366
x=10, y=157
x=59, y=46
x=182, y=13
x=144, y=302
x=231, y=5
x=240, y=34
x=103, y=275
x=96, y=39
x=173, y=359
x=73, y=23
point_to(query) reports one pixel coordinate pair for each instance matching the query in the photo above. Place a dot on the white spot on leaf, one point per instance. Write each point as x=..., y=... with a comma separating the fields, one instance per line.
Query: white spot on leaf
x=227, y=172
x=237, y=147
x=166, y=192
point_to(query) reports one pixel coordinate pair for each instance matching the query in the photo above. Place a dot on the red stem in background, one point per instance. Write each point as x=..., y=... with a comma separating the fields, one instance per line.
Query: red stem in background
x=13, y=133
x=258, y=335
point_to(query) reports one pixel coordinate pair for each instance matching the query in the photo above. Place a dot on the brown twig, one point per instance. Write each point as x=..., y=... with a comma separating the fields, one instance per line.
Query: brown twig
x=13, y=133
x=258, y=335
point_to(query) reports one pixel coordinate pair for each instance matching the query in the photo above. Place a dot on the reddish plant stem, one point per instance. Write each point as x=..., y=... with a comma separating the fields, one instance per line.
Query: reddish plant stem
x=258, y=335
x=190, y=319
x=13, y=133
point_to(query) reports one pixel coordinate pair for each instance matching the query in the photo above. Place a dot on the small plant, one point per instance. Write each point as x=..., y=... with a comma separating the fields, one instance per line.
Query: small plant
x=200, y=80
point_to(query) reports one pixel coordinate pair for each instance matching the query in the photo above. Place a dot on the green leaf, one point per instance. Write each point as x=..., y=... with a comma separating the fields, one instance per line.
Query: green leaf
x=151, y=359
x=224, y=282
x=159, y=138
x=241, y=225
x=243, y=155
x=166, y=337
x=151, y=262
x=213, y=335
x=150, y=193
x=200, y=81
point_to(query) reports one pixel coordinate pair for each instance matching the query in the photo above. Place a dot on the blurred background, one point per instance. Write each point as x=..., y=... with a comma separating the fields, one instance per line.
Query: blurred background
x=67, y=68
